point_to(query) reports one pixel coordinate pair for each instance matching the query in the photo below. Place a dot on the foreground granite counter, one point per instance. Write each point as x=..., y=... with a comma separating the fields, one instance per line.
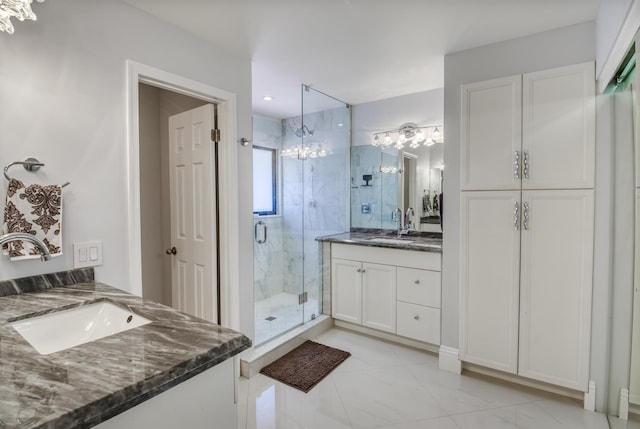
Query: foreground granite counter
x=415, y=240
x=90, y=383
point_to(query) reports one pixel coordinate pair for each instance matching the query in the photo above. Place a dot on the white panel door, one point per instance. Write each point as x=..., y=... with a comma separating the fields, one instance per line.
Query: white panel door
x=489, y=278
x=558, y=128
x=193, y=232
x=379, y=296
x=491, y=134
x=555, y=286
x=346, y=290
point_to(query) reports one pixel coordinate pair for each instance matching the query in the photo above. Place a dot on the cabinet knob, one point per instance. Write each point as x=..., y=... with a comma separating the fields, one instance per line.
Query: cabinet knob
x=364, y=271
x=416, y=317
x=417, y=282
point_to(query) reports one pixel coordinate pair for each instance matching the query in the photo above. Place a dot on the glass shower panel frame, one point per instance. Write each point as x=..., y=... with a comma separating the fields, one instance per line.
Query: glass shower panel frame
x=313, y=201
x=326, y=140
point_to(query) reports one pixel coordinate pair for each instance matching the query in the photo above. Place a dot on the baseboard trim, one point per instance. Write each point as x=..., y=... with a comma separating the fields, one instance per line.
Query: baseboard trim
x=623, y=406
x=523, y=381
x=449, y=360
x=590, y=397
x=387, y=336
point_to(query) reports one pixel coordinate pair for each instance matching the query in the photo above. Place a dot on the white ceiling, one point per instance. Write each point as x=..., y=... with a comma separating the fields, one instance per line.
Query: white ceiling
x=357, y=50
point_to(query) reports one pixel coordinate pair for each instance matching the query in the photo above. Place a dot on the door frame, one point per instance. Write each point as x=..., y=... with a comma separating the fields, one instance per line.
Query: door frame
x=228, y=221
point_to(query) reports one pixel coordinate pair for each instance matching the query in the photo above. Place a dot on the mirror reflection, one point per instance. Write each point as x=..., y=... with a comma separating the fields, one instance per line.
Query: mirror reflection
x=383, y=179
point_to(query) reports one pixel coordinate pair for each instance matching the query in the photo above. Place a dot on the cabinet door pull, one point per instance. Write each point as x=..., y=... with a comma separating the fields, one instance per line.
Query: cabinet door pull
x=416, y=317
x=525, y=215
x=516, y=218
x=525, y=164
x=359, y=270
x=516, y=165
x=417, y=282
x=364, y=271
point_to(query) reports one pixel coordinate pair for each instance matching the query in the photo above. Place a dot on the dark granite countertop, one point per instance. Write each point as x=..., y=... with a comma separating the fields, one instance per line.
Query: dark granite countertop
x=430, y=219
x=90, y=383
x=415, y=240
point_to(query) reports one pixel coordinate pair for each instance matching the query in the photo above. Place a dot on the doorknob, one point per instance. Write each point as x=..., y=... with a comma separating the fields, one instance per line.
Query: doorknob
x=172, y=251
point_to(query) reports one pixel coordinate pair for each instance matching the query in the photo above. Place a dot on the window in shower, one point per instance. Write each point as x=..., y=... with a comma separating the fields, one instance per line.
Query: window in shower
x=264, y=181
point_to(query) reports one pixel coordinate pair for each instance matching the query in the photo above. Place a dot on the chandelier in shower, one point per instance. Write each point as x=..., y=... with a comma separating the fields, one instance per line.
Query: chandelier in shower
x=306, y=151
x=409, y=134
x=19, y=9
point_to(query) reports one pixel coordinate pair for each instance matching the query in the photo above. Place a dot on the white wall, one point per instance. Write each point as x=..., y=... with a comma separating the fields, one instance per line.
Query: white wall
x=569, y=45
x=62, y=86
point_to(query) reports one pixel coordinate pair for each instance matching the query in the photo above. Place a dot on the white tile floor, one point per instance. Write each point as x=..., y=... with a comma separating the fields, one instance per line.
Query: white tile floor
x=383, y=385
x=632, y=423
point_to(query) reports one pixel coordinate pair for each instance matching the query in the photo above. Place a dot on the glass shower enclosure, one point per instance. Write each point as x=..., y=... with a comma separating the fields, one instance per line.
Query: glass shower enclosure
x=301, y=192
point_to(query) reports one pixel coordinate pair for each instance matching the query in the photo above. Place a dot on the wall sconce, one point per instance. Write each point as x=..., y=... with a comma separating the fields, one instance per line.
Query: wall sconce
x=19, y=9
x=410, y=134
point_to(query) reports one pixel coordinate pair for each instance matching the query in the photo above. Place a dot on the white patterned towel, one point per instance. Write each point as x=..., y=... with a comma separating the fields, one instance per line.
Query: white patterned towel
x=37, y=210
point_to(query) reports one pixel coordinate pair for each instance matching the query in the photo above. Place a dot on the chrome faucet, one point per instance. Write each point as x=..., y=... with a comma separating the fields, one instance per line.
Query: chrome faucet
x=396, y=216
x=15, y=236
x=408, y=218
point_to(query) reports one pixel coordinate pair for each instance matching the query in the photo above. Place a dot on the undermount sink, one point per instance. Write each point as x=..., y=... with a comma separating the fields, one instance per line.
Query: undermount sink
x=391, y=240
x=60, y=330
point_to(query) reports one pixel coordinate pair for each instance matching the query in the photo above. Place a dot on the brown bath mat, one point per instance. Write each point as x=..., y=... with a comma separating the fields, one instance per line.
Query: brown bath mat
x=304, y=366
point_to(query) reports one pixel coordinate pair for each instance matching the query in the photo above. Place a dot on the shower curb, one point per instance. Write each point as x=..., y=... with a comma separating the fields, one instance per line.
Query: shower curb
x=254, y=359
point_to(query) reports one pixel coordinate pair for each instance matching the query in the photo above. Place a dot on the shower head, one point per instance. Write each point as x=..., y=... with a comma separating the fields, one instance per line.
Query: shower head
x=304, y=131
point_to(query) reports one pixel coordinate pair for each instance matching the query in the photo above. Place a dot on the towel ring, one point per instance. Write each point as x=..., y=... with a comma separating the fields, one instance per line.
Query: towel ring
x=29, y=164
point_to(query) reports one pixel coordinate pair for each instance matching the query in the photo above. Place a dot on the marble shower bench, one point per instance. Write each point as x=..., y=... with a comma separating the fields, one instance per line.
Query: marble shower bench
x=177, y=371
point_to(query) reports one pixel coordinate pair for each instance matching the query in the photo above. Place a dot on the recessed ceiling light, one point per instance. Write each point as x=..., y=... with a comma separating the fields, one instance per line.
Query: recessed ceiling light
x=267, y=98
x=340, y=124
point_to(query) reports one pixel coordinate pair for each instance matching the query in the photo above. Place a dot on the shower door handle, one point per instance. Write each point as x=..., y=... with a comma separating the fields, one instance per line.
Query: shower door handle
x=260, y=238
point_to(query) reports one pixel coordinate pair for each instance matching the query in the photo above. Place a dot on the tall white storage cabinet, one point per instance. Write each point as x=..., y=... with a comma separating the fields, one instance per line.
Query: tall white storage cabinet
x=527, y=226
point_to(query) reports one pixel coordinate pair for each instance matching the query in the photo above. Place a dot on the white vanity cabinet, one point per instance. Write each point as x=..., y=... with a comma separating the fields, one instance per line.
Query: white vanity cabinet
x=206, y=400
x=527, y=230
x=365, y=293
x=389, y=290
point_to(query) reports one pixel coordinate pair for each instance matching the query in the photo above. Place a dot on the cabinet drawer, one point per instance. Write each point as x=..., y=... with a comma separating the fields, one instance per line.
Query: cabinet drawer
x=419, y=287
x=418, y=322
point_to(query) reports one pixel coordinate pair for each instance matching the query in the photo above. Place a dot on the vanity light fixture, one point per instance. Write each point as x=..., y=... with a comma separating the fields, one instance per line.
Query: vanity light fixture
x=19, y=9
x=410, y=134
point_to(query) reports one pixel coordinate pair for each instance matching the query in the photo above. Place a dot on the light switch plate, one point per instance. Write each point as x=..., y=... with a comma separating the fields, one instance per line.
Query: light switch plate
x=87, y=254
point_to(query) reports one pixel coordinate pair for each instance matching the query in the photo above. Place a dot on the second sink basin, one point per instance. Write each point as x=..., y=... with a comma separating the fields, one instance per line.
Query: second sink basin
x=60, y=330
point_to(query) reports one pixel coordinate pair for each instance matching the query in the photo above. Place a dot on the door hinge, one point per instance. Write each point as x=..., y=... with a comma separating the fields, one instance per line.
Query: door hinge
x=215, y=135
x=302, y=298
